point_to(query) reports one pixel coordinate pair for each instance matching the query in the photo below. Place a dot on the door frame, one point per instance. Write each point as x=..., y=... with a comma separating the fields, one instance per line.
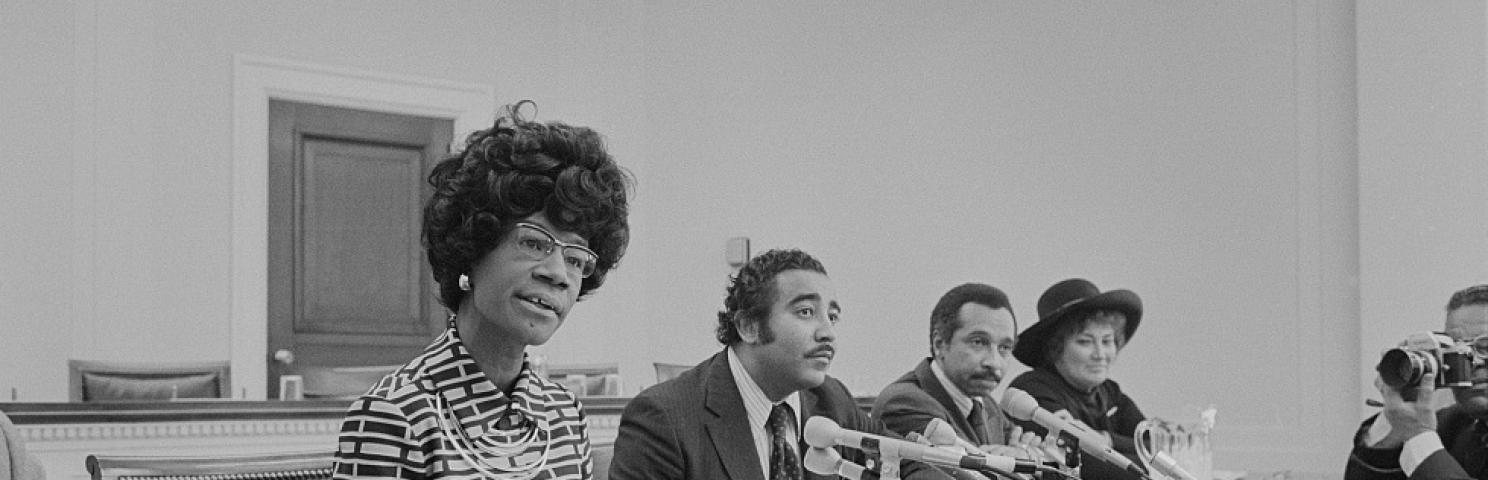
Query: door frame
x=257, y=79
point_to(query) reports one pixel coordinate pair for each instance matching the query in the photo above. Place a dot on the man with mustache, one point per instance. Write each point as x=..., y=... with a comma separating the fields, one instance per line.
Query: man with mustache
x=1408, y=439
x=739, y=414
x=972, y=332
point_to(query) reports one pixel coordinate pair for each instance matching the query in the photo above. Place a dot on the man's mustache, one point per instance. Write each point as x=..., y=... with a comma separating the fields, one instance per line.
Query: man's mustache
x=987, y=375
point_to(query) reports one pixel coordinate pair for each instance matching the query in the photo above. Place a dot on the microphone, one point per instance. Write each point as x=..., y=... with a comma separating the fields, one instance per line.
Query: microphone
x=938, y=432
x=826, y=461
x=1022, y=406
x=970, y=474
x=822, y=432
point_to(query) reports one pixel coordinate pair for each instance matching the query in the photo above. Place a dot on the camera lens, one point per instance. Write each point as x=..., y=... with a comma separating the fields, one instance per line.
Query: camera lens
x=1400, y=368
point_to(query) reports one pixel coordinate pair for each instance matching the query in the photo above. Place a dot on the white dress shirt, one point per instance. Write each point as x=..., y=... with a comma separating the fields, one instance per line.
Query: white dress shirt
x=758, y=406
x=961, y=399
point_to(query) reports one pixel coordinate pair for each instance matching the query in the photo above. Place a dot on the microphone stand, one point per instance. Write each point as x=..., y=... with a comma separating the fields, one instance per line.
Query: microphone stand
x=888, y=467
x=1070, y=444
x=1071, y=447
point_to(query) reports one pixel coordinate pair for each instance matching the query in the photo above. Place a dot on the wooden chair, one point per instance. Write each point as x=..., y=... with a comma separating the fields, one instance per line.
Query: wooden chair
x=91, y=381
x=668, y=371
x=272, y=466
x=588, y=379
x=341, y=383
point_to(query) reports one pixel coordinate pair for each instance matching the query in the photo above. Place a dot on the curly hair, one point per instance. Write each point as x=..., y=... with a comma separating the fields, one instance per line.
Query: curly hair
x=513, y=170
x=751, y=292
x=945, y=319
x=1474, y=295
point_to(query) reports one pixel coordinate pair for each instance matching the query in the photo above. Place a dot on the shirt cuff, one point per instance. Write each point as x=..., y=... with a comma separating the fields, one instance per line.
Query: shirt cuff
x=1417, y=449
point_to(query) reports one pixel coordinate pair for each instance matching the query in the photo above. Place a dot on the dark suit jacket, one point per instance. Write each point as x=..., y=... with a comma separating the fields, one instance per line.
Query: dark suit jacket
x=1463, y=437
x=908, y=404
x=695, y=427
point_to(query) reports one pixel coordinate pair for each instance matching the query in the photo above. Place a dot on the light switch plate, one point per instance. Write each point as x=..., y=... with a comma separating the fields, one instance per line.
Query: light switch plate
x=736, y=251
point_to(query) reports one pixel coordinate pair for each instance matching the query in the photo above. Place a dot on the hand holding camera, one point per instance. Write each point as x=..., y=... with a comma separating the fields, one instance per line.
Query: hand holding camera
x=1408, y=376
x=1406, y=417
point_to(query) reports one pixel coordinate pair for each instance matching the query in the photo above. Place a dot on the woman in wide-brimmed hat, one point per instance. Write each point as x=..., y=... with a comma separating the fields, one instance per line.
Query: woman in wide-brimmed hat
x=1079, y=333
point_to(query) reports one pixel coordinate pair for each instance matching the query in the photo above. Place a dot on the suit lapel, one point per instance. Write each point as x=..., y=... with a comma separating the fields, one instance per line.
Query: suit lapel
x=931, y=384
x=729, y=425
x=809, y=408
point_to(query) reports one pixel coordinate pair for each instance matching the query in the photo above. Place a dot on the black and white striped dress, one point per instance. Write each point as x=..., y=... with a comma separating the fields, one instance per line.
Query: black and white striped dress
x=395, y=429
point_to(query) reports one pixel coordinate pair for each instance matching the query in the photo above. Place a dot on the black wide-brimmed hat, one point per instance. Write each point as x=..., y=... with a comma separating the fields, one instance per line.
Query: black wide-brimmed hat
x=1060, y=302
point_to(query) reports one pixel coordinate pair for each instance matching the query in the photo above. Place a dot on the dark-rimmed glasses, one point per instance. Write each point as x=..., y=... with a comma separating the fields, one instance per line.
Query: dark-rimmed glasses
x=538, y=243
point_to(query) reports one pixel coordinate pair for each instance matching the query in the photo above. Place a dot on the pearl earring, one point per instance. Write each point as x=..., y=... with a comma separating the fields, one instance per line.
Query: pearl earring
x=465, y=282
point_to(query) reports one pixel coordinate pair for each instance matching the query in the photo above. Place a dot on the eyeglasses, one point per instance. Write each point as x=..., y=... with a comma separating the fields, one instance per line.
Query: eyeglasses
x=1479, y=346
x=538, y=243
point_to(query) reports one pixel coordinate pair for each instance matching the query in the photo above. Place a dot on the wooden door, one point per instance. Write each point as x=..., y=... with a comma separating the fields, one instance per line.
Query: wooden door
x=348, y=282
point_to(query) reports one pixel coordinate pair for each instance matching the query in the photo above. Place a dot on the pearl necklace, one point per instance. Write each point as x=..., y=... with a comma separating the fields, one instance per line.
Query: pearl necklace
x=477, y=451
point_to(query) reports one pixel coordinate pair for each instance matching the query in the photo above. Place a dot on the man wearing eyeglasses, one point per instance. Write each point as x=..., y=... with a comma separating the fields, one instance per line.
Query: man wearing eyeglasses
x=1408, y=439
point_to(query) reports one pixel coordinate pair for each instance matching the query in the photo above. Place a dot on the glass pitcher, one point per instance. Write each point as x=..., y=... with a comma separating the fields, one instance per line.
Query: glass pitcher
x=1185, y=444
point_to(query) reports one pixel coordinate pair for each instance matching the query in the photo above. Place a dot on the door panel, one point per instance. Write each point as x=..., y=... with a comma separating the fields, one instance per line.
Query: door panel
x=360, y=257
x=348, y=282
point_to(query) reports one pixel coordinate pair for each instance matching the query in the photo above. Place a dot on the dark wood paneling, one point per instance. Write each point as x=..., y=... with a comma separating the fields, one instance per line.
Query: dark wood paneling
x=359, y=269
x=347, y=281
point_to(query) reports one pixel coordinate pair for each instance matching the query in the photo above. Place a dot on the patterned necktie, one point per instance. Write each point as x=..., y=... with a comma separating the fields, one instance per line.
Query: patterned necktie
x=784, y=462
x=978, y=423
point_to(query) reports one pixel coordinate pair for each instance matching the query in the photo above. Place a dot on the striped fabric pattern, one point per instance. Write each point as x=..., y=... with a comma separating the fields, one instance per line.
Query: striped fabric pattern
x=395, y=429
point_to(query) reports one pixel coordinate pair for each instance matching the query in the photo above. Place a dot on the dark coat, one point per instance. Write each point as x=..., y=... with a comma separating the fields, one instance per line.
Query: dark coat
x=695, y=427
x=1465, y=439
x=1106, y=409
x=908, y=404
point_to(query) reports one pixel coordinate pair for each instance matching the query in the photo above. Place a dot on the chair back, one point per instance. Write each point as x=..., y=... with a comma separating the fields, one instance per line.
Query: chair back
x=668, y=371
x=342, y=383
x=588, y=379
x=270, y=466
x=91, y=381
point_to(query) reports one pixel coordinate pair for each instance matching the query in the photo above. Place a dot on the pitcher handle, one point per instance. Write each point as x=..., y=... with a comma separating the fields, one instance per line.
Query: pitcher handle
x=1144, y=442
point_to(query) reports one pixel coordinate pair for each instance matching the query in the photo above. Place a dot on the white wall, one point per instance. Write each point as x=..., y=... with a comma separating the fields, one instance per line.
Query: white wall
x=40, y=307
x=1203, y=155
x=121, y=152
x=1197, y=154
x=1422, y=158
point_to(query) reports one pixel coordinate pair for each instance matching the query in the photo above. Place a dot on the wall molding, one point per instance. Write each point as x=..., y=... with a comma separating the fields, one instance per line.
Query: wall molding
x=62, y=435
x=144, y=431
x=256, y=80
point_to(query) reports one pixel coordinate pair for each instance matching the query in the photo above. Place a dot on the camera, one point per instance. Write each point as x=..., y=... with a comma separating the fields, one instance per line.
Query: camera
x=1402, y=367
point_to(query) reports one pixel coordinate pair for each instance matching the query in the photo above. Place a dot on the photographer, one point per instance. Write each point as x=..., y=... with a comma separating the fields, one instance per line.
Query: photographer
x=1408, y=439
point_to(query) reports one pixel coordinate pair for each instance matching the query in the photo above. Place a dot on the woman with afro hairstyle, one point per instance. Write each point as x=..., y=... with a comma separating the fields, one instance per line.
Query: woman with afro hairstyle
x=524, y=222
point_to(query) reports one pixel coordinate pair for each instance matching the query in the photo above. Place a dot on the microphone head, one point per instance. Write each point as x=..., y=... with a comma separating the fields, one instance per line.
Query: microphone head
x=940, y=433
x=822, y=461
x=821, y=432
x=1019, y=404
